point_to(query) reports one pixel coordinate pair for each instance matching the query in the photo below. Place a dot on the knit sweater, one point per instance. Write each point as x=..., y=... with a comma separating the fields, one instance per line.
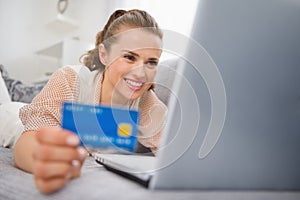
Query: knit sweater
x=79, y=84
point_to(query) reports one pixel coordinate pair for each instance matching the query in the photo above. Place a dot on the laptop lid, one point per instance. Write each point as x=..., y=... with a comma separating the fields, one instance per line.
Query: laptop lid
x=233, y=120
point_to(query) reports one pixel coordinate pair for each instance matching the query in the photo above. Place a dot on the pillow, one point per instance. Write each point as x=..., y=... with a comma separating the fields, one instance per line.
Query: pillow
x=4, y=95
x=19, y=91
x=11, y=126
x=164, y=79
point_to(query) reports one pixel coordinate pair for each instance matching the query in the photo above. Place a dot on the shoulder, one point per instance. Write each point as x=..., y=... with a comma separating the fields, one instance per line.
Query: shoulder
x=77, y=72
x=82, y=72
x=70, y=70
x=152, y=120
x=66, y=72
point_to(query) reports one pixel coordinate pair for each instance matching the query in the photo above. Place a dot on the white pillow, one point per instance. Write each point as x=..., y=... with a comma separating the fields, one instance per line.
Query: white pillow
x=11, y=126
x=4, y=95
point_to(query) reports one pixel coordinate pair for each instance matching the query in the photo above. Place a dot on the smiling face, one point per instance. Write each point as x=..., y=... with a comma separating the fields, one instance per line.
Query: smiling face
x=131, y=64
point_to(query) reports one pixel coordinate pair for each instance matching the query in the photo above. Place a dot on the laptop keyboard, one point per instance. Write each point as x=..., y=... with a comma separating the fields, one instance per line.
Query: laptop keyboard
x=131, y=162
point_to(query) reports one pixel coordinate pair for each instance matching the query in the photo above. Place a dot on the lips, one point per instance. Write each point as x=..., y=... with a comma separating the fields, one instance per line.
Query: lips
x=134, y=84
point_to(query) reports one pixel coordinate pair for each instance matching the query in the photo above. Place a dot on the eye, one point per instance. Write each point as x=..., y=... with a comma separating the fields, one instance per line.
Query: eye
x=152, y=64
x=129, y=57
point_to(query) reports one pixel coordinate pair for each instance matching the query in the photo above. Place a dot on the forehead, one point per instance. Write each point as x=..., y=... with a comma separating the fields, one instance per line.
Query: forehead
x=137, y=39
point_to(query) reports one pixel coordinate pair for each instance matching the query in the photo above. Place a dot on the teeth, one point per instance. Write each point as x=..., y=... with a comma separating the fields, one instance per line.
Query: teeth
x=135, y=84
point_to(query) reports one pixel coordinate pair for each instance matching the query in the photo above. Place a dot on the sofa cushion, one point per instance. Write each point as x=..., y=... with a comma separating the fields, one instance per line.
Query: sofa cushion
x=164, y=79
x=4, y=95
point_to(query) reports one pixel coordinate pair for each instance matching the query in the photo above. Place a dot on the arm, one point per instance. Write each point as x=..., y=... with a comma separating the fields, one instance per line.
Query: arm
x=50, y=153
x=24, y=158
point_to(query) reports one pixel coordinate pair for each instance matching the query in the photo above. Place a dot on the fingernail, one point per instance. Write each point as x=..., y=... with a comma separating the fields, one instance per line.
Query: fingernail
x=75, y=163
x=72, y=140
x=82, y=153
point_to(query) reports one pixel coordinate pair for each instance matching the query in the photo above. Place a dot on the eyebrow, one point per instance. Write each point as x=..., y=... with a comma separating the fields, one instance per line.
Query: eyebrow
x=137, y=55
x=131, y=52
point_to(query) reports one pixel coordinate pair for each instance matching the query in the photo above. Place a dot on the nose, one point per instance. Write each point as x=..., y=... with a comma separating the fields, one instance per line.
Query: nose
x=139, y=72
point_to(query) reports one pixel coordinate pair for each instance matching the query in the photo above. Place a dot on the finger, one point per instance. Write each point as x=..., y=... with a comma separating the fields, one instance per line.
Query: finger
x=76, y=168
x=50, y=185
x=77, y=165
x=57, y=136
x=76, y=173
x=59, y=153
x=47, y=170
x=83, y=154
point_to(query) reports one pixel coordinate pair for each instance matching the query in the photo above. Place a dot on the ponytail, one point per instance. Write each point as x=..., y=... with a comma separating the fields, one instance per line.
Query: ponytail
x=91, y=58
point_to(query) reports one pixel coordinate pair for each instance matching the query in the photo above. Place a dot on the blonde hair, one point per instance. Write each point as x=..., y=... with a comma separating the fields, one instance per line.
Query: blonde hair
x=120, y=18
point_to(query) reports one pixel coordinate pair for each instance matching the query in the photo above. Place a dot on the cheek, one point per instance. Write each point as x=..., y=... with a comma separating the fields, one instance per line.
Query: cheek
x=117, y=70
x=151, y=74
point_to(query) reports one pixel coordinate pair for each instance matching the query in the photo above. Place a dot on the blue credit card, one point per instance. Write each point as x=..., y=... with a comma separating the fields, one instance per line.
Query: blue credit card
x=102, y=127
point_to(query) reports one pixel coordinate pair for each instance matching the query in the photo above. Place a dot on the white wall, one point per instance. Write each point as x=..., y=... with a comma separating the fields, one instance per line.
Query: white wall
x=23, y=30
x=171, y=15
x=176, y=15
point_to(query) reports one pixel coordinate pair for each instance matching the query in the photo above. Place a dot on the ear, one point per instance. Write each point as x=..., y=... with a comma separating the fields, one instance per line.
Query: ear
x=103, y=54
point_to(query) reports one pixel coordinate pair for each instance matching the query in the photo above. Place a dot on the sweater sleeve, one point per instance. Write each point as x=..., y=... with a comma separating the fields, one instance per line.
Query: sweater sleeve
x=152, y=120
x=45, y=108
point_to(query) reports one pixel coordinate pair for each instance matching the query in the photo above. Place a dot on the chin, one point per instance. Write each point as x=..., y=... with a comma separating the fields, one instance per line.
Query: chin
x=136, y=94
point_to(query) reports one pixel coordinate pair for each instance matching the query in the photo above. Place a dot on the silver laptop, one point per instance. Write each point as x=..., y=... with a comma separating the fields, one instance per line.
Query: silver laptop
x=234, y=112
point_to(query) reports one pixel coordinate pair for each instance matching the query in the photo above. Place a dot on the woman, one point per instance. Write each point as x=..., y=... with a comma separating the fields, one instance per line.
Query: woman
x=119, y=71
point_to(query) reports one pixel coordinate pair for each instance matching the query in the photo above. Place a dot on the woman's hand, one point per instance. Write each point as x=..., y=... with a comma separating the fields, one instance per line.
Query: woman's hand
x=57, y=158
